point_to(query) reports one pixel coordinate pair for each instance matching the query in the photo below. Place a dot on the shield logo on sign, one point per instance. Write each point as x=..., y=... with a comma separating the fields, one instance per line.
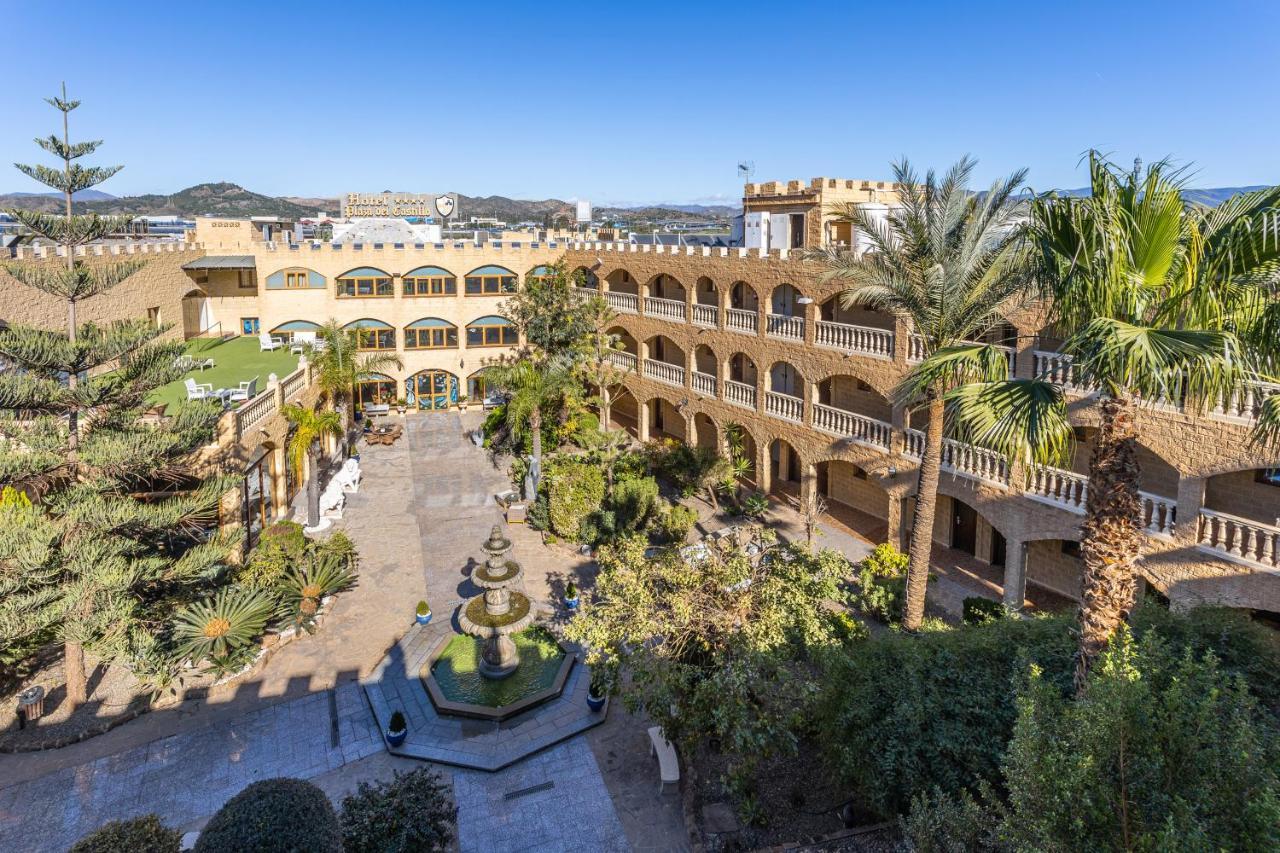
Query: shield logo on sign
x=444, y=205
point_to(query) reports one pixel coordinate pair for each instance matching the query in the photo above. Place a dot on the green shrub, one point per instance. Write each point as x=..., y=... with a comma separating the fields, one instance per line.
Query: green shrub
x=978, y=610
x=901, y=715
x=284, y=815
x=882, y=583
x=409, y=813
x=538, y=516
x=847, y=629
x=635, y=499
x=943, y=823
x=280, y=547
x=577, y=490
x=139, y=835
x=677, y=522
x=755, y=505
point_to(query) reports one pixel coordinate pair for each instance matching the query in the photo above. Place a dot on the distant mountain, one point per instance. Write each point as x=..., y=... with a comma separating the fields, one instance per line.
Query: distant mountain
x=221, y=199
x=1211, y=197
x=83, y=195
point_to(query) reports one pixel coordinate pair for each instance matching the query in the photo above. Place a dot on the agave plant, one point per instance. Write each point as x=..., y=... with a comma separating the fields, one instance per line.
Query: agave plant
x=228, y=621
x=323, y=574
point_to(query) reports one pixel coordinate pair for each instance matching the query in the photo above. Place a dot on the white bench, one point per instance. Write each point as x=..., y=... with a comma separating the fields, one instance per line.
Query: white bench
x=668, y=763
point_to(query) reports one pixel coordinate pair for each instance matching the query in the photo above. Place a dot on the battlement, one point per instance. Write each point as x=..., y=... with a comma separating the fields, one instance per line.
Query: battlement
x=688, y=251
x=496, y=247
x=814, y=186
x=28, y=253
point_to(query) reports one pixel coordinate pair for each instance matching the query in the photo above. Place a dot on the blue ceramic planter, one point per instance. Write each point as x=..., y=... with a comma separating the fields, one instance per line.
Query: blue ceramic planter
x=396, y=738
x=595, y=703
x=571, y=604
x=423, y=618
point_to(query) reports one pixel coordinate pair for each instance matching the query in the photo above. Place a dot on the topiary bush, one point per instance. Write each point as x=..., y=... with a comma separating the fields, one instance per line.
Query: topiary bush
x=577, y=490
x=411, y=812
x=139, y=835
x=274, y=816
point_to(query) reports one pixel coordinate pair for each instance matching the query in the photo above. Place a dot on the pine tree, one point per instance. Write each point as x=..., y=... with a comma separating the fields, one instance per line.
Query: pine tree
x=107, y=543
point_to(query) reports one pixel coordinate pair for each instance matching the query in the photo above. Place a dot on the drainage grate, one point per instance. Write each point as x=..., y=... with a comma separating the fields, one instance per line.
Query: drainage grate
x=524, y=792
x=335, y=740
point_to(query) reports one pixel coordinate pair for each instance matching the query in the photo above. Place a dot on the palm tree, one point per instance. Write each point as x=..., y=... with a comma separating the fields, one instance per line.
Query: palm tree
x=953, y=263
x=535, y=386
x=310, y=426
x=1158, y=300
x=341, y=363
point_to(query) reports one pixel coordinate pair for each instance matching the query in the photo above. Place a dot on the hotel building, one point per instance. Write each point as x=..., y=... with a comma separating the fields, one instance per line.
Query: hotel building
x=749, y=336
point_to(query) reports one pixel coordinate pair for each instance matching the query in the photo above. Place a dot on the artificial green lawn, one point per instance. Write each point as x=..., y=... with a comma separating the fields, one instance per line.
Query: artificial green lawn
x=236, y=360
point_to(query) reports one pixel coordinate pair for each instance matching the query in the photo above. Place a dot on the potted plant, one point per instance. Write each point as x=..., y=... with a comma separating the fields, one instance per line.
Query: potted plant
x=571, y=597
x=424, y=613
x=462, y=402
x=400, y=405
x=598, y=690
x=397, y=729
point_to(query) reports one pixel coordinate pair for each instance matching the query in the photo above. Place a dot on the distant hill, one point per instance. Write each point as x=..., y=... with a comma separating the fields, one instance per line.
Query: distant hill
x=1212, y=197
x=221, y=199
x=83, y=195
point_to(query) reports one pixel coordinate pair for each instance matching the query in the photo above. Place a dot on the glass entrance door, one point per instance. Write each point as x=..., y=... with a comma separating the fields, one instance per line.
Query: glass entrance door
x=433, y=390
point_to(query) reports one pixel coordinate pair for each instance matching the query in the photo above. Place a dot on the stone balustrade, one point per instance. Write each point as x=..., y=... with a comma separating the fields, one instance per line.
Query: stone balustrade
x=623, y=303
x=671, y=374
x=670, y=309
x=1239, y=538
x=623, y=360
x=706, y=315
x=738, y=320
x=859, y=428
x=740, y=393
x=866, y=340
x=784, y=406
x=784, y=326
x=704, y=383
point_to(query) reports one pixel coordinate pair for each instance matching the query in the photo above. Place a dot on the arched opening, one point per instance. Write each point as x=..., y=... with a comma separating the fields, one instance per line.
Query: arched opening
x=295, y=278
x=375, y=389
x=1240, y=517
x=429, y=281
x=430, y=333
x=706, y=292
x=1054, y=565
x=853, y=498
x=1156, y=476
x=303, y=331
x=742, y=369
x=665, y=420
x=784, y=397
x=741, y=445
x=373, y=334
x=479, y=389
x=705, y=431
x=832, y=311
x=664, y=360
x=489, y=280
x=742, y=296
x=628, y=341
x=663, y=286
x=785, y=468
x=538, y=273
x=432, y=390
x=197, y=315
x=843, y=403
x=706, y=370
x=785, y=301
x=621, y=281
x=364, y=283
x=584, y=277
x=491, y=331
x=624, y=412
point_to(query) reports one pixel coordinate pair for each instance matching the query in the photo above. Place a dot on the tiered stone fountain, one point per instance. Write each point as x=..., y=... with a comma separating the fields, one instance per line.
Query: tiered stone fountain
x=500, y=612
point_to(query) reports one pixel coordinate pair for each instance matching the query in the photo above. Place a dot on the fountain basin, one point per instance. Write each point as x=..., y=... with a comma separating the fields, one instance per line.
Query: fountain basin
x=457, y=684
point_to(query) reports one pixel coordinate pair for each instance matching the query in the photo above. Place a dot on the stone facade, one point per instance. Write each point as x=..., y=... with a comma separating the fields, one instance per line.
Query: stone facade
x=1212, y=521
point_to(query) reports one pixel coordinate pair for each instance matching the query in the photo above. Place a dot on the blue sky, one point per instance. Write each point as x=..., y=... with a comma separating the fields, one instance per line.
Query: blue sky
x=638, y=102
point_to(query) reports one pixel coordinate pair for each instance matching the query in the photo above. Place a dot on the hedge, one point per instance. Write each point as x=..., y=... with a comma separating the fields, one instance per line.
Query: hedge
x=274, y=816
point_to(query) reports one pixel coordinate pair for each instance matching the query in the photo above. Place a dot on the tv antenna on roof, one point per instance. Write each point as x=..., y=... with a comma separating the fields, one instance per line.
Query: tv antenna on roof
x=746, y=170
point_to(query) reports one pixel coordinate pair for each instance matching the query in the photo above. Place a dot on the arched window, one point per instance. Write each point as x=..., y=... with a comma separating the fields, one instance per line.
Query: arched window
x=491, y=331
x=538, y=273
x=431, y=333
x=373, y=335
x=375, y=389
x=303, y=329
x=490, y=281
x=431, y=389
x=295, y=278
x=430, y=281
x=364, y=282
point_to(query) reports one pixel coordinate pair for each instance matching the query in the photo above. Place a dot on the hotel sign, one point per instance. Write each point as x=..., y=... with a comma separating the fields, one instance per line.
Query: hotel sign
x=395, y=204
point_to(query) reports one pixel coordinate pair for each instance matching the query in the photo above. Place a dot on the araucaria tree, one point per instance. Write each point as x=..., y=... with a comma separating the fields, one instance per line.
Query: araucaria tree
x=105, y=542
x=1159, y=301
x=954, y=264
x=598, y=347
x=547, y=310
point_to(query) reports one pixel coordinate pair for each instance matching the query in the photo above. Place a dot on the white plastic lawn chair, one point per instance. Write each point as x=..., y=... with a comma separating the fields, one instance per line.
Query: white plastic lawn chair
x=268, y=343
x=247, y=391
x=198, y=391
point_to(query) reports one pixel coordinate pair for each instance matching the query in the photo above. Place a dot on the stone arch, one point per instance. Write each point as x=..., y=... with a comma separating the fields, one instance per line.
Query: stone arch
x=585, y=277
x=1156, y=475
x=1055, y=565
x=706, y=432
x=786, y=467
x=621, y=280
x=705, y=291
x=742, y=368
x=706, y=359
x=1251, y=495
x=666, y=286
x=665, y=418
x=624, y=411
x=743, y=442
x=663, y=348
x=846, y=392
x=786, y=378
x=784, y=300
x=628, y=340
x=743, y=296
x=831, y=311
x=854, y=496
x=197, y=314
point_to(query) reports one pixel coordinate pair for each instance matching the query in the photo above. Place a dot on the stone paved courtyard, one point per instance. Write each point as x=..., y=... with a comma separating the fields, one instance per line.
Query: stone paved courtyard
x=423, y=508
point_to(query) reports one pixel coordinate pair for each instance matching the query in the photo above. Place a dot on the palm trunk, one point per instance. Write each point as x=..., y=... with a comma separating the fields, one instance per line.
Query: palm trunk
x=77, y=683
x=1110, y=537
x=926, y=507
x=313, y=490
x=535, y=424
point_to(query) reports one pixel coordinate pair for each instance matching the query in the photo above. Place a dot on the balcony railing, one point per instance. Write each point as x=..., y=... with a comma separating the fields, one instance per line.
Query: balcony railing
x=862, y=339
x=1058, y=368
x=860, y=428
x=963, y=459
x=292, y=384
x=706, y=315
x=670, y=309
x=739, y=320
x=915, y=347
x=671, y=374
x=1065, y=489
x=740, y=393
x=704, y=383
x=784, y=326
x=1157, y=515
x=624, y=303
x=266, y=404
x=784, y=406
x=1239, y=538
x=1247, y=404
x=623, y=360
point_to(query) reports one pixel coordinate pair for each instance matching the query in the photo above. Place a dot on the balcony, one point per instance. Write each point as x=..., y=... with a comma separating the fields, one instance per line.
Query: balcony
x=784, y=326
x=859, y=428
x=784, y=406
x=1247, y=404
x=962, y=459
x=740, y=394
x=1239, y=539
x=623, y=360
x=669, y=309
x=704, y=383
x=738, y=320
x=660, y=371
x=623, y=303
x=1070, y=491
x=706, y=315
x=866, y=340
